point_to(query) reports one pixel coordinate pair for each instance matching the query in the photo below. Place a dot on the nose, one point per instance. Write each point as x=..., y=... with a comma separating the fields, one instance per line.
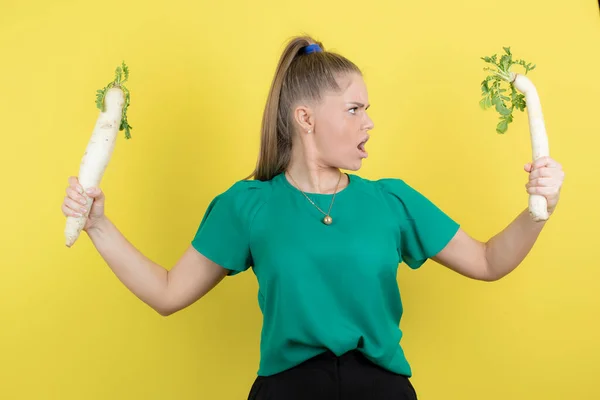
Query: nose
x=369, y=123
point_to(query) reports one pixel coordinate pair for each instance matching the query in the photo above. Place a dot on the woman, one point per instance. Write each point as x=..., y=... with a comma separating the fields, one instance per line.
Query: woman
x=324, y=245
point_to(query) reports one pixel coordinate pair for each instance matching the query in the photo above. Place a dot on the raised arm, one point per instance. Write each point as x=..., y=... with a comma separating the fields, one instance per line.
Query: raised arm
x=165, y=291
x=505, y=251
x=223, y=235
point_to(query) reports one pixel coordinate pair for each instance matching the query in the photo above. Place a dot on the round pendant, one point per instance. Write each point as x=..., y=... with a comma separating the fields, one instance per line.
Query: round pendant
x=327, y=220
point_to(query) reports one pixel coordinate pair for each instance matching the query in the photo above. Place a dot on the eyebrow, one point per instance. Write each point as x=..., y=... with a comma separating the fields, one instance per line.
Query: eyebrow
x=360, y=104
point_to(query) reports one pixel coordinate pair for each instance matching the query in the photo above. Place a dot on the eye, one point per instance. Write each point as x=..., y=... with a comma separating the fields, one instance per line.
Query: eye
x=353, y=110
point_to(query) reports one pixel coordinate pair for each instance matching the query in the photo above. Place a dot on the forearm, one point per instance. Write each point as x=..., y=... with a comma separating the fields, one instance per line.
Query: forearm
x=506, y=250
x=146, y=279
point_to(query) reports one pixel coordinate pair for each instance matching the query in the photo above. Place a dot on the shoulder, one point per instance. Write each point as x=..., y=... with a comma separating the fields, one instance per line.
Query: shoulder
x=387, y=186
x=244, y=197
x=399, y=189
x=399, y=196
x=247, y=187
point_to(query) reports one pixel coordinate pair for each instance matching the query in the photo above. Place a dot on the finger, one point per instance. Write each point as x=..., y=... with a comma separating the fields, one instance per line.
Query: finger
x=540, y=162
x=71, y=193
x=94, y=192
x=69, y=212
x=541, y=172
x=545, y=162
x=75, y=205
x=74, y=183
x=544, y=182
x=542, y=190
x=527, y=167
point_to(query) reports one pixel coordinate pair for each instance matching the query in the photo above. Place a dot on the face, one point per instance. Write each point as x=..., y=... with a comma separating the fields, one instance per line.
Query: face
x=339, y=125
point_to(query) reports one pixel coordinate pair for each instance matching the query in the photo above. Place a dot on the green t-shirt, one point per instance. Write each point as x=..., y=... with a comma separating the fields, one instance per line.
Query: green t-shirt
x=325, y=287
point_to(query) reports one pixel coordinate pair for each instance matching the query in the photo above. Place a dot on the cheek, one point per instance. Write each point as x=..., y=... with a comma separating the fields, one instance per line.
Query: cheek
x=336, y=136
x=337, y=141
x=329, y=133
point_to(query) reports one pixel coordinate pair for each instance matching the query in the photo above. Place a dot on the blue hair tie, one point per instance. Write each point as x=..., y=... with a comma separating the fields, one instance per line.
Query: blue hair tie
x=312, y=48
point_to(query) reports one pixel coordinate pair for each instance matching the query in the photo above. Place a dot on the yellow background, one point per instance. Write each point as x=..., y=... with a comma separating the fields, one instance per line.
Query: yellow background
x=200, y=72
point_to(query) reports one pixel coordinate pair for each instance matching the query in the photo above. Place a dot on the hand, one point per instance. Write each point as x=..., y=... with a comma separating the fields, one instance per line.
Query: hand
x=545, y=178
x=77, y=202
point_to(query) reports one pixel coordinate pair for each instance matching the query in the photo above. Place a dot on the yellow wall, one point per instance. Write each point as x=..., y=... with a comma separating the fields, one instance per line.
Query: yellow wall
x=200, y=72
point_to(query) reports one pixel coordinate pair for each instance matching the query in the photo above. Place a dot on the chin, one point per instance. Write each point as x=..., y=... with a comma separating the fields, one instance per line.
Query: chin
x=355, y=166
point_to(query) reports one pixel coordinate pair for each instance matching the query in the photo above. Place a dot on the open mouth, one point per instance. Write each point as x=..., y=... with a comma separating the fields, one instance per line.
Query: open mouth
x=361, y=147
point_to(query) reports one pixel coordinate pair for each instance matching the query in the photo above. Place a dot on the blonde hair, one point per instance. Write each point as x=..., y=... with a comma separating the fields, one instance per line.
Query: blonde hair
x=298, y=77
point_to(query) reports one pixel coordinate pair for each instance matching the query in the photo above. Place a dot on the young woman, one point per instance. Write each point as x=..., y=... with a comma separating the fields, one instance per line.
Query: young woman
x=324, y=245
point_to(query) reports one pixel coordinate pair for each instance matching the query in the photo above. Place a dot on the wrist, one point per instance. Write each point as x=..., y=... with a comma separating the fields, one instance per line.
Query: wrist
x=99, y=226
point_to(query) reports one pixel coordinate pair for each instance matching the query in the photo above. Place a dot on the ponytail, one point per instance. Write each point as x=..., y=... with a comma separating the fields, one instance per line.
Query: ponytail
x=299, y=76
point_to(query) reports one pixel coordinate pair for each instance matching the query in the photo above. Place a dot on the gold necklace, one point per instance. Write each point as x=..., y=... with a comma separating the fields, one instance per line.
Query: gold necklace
x=327, y=220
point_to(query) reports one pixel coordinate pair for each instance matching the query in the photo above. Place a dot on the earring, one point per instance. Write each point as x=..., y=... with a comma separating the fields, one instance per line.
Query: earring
x=310, y=131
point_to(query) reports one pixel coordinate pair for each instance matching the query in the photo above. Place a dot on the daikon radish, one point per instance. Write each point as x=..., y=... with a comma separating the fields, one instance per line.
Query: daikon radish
x=493, y=95
x=112, y=101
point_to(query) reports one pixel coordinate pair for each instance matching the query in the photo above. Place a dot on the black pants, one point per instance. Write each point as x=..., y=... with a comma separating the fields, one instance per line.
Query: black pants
x=328, y=377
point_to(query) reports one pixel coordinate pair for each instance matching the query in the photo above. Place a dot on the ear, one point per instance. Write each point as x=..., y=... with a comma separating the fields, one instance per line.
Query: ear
x=304, y=118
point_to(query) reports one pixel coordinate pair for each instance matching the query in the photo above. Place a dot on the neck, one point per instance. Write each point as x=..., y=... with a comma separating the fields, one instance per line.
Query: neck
x=312, y=176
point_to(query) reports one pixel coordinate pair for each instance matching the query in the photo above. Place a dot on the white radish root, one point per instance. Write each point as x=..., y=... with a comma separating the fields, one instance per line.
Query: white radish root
x=96, y=157
x=112, y=101
x=494, y=95
x=538, y=205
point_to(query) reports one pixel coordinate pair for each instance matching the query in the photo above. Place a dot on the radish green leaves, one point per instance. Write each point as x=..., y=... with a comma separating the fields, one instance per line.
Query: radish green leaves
x=118, y=82
x=495, y=95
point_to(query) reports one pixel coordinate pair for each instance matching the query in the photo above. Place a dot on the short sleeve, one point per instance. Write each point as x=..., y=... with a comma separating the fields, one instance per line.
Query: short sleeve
x=223, y=235
x=424, y=228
